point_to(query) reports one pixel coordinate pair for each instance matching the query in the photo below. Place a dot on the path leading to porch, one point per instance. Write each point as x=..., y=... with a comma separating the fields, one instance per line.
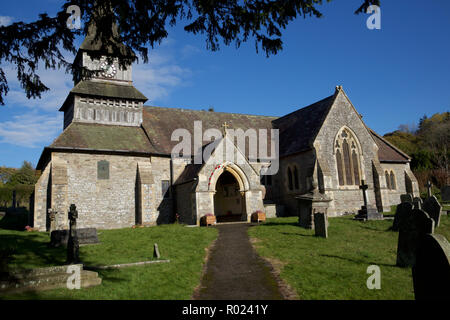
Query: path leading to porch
x=234, y=271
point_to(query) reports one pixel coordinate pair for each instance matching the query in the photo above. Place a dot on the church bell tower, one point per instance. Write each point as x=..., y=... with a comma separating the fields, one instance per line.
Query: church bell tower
x=106, y=97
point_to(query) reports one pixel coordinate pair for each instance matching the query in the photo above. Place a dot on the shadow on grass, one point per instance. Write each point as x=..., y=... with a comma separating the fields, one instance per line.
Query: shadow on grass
x=375, y=229
x=357, y=261
x=33, y=249
x=271, y=224
x=297, y=234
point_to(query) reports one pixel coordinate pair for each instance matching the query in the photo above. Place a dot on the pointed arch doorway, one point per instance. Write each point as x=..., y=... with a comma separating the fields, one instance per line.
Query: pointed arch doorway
x=229, y=199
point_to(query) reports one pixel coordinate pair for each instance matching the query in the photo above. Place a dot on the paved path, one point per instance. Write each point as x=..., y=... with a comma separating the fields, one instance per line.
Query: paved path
x=234, y=271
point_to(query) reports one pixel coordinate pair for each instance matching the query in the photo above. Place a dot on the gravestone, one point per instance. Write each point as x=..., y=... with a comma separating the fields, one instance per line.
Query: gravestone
x=73, y=247
x=408, y=197
x=417, y=203
x=403, y=210
x=431, y=273
x=445, y=193
x=156, y=253
x=429, y=185
x=366, y=212
x=321, y=225
x=85, y=236
x=434, y=209
x=411, y=229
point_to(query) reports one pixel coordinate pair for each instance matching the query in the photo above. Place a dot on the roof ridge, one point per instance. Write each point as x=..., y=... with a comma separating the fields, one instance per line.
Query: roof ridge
x=206, y=111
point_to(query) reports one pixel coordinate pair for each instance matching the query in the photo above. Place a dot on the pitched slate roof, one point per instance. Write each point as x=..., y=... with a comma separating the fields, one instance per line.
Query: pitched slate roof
x=159, y=123
x=387, y=152
x=85, y=136
x=299, y=128
x=297, y=131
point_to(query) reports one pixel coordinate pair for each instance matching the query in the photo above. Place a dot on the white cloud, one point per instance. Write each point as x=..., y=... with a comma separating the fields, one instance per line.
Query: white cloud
x=5, y=20
x=159, y=77
x=57, y=81
x=189, y=50
x=31, y=129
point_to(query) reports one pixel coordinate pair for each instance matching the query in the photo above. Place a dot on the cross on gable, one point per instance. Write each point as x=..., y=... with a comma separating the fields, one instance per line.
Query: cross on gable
x=225, y=126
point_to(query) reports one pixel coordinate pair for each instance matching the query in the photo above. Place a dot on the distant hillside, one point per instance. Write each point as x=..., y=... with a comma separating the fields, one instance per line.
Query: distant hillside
x=428, y=145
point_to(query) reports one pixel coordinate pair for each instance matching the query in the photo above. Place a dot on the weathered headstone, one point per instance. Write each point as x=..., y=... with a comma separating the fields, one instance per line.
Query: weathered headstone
x=431, y=273
x=417, y=203
x=429, y=185
x=408, y=197
x=156, y=253
x=367, y=213
x=403, y=210
x=411, y=229
x=85, y=236
x=73, y=247
x=445, y=193
x=321, y=225
x=434, y=209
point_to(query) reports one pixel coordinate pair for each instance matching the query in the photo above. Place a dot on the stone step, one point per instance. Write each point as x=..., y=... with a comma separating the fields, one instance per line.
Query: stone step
x=47, y=282
x=22, y=274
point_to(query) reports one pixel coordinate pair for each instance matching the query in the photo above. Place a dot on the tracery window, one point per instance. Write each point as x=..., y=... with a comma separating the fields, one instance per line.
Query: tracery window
x=347, y=158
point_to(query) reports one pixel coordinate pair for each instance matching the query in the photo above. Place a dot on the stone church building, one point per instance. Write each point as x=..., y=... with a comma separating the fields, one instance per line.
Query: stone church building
x=113, y=160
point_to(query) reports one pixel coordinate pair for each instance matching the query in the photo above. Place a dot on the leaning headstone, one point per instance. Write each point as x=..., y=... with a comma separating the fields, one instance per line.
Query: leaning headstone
x=156, y=251
x=445, y=193
x=403, y=210
x=321, y=225
x=408, y=197
x=431, y=273
x=412, y=228
x=73, y=247
x=434, y=209
x=417, y=203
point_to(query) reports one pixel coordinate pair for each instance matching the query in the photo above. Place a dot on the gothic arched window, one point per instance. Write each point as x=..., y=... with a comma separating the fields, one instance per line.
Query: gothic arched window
x=393, y=184
x=290, y=179
x=347, y=158
x=388, y=180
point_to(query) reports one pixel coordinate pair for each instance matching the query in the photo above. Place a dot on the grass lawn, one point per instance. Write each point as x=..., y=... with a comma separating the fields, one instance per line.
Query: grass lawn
x=335, y=268
x=183, y=246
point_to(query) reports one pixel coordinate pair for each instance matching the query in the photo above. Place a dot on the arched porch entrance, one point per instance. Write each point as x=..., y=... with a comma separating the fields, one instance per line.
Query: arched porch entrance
x=229, y=199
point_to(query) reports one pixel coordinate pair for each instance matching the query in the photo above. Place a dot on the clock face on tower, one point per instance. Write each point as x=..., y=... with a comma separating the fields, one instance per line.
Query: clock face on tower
x=108, y=70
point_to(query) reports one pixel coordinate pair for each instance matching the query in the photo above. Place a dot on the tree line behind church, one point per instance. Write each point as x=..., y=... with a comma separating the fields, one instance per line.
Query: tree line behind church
x=19, y=181
x=428, y=145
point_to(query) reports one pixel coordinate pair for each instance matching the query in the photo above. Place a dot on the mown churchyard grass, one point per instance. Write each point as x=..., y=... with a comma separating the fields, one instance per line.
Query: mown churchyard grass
x=184, y=247
x=335, y=268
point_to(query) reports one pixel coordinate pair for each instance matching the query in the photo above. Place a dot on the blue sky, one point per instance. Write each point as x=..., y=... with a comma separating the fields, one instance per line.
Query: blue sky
x=393, y=76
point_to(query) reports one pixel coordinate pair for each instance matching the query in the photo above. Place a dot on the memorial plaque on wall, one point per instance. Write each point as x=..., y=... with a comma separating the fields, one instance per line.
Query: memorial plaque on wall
x=103, y=169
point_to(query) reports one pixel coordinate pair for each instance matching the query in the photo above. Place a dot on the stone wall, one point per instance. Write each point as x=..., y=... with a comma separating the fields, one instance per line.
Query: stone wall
x=185, y=203
x=346, y=198
x=281, y=194
x=132, y=193
x=41, y=199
